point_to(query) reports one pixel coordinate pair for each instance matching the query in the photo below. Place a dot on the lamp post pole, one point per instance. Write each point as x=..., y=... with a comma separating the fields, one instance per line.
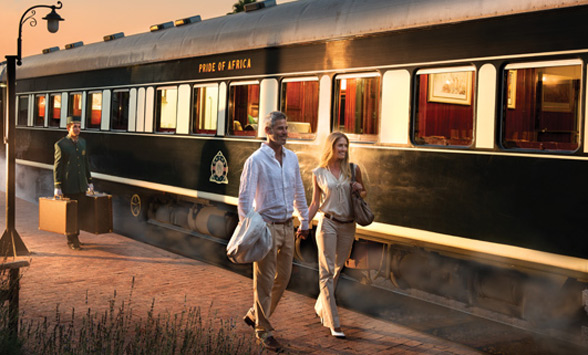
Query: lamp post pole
x=11, y=244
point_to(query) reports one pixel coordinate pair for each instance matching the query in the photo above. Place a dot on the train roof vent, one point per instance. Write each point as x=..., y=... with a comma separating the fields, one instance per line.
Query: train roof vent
x=113, y=36
x=161, y=26
x=50, y=50
x=259, y=5
x=74, y=45
x=188, y=20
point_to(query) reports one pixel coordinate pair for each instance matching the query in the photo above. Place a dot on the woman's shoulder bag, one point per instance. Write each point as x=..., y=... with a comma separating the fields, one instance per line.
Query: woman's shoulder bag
x=362, y=214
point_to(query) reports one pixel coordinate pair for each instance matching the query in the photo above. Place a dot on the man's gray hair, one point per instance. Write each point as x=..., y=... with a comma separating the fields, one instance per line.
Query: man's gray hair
x=272, y=117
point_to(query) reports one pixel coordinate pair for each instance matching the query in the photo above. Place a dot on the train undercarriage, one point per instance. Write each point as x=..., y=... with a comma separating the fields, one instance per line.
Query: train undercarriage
x=537, y=300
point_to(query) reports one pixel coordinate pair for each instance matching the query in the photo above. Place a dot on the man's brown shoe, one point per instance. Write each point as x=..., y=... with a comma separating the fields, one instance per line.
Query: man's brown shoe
x=270, y=343
x=250, y=322
x=74, y=246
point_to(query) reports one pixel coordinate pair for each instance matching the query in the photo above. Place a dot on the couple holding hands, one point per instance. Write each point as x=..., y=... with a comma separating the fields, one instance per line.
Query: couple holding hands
x=271, y=185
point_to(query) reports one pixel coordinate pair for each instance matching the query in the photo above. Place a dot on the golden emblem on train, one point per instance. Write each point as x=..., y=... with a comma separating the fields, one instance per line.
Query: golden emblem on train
x=219, y=168
x=136, y=205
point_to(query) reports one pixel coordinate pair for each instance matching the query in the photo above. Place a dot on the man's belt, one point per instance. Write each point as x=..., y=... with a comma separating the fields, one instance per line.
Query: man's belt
x=286, y=221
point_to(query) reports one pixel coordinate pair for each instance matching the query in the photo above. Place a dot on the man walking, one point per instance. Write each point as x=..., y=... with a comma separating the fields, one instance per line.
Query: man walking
x=271, y=182
x=71, y=170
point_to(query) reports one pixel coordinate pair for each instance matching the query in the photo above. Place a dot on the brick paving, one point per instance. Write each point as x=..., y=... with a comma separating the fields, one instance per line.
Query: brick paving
x=108, y=263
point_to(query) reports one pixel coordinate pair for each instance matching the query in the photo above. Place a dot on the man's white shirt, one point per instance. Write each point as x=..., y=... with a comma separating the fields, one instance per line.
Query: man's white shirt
x=273, y=190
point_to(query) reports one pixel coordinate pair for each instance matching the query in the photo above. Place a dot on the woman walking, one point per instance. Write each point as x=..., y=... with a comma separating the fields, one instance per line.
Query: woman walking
x=331, y=196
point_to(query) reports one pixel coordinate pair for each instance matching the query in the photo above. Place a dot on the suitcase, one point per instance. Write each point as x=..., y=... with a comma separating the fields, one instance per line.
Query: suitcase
x=96, y=213
x=58, y=215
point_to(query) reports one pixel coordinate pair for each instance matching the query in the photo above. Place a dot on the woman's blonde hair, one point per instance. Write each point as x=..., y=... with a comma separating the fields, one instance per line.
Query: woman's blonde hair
x=328, y=153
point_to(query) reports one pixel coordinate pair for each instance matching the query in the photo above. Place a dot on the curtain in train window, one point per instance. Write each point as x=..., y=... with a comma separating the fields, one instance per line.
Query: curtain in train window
x=299, y=101
x=166, y=108
x=445, y=107
x=357, y=105
x=54, y=110
x=94, y=109
x=204, y=109
x=39, y=113
x=243, y=109
x=23, y=111
x=75, y=105
x=541, y=106
x=119, y=116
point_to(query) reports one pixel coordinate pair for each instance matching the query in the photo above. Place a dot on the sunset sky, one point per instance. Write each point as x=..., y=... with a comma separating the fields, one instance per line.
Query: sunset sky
x=90, y=20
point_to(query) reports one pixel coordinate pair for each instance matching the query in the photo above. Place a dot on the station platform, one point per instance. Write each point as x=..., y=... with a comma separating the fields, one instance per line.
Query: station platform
x=88, y=278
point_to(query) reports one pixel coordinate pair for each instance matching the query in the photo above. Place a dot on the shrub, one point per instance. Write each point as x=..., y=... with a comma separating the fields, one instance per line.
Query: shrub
x=119, y=331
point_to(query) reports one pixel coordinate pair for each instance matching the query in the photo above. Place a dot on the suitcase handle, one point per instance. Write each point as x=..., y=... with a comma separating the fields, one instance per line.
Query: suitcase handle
x=95, y=193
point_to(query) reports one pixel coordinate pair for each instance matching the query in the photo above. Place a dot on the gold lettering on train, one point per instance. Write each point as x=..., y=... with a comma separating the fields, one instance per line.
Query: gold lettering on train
x=225, y=65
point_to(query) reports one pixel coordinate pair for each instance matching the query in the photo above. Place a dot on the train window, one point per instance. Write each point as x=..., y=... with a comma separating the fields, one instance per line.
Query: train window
x=204, y=109
x=243, y=109
x=94, y=109
x=54, y=110
x=357, y=105
x=39, y=113
x=541, y=106
x=75, y=105
x=23, y=110
x=299, y=101
x=444, y=106
x=166, y=108
x=120, y=110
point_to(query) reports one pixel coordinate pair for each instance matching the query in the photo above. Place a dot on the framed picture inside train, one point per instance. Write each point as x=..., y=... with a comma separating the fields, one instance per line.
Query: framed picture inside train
x=511, y=90
x=558, y=91
x=451, y=87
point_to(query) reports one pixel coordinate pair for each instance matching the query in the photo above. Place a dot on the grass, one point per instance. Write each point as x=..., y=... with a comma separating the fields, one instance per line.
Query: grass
x=118, y=330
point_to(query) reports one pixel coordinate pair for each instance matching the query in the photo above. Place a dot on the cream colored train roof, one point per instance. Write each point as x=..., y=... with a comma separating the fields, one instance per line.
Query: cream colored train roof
x=294, y=22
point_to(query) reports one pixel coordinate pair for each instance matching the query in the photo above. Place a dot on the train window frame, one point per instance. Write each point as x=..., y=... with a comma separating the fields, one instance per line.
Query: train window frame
x=38, y=117
x=296, y=128
x=114, y=118
x=461, y=112
x=545, y=110
x=230, y=128
x=194, y=108
x=52, y=120
x=377, y=110
x=91, y=107
x=22, y=116
x=158, y=109
x=72, y=101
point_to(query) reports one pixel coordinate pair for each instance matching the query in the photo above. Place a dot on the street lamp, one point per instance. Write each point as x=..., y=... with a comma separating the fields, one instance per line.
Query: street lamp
x=11, y=244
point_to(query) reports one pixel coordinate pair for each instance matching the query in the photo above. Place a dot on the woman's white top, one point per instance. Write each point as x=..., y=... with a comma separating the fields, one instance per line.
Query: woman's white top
x=336, y=194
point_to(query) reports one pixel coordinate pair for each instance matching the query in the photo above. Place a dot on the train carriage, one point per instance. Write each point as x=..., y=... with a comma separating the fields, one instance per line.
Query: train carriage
x=467, y=119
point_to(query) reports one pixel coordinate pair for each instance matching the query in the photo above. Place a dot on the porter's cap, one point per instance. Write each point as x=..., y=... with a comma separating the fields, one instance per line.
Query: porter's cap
x=72, y=119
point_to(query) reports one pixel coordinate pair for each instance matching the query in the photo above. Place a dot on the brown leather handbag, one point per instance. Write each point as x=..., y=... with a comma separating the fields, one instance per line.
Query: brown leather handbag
x=362, y=214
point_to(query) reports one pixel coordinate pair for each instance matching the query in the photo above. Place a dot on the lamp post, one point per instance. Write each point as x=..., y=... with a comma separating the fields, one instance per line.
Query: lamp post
x=11, y=244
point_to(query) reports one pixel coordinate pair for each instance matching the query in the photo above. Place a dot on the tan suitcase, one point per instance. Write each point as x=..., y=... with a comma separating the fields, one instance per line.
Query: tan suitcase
x=58, y=215
x=96, y=213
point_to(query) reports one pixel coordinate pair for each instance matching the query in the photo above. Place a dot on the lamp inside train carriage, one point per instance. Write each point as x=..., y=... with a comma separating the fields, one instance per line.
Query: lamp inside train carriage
x=11, y=244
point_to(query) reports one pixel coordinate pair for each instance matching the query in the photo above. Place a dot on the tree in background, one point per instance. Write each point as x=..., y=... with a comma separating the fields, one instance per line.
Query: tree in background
x=239, y=6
